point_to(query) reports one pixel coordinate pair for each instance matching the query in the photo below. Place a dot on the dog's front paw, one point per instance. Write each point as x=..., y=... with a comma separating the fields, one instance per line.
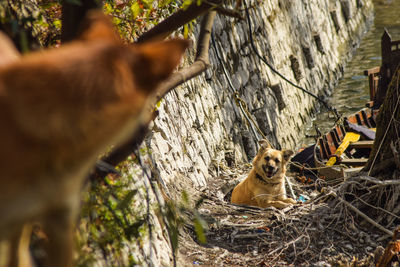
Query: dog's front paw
x=290, y=200
x=285, y=204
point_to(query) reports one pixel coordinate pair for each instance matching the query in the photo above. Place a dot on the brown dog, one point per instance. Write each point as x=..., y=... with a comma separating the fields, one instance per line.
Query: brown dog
x=60, y=109
x=265, y=184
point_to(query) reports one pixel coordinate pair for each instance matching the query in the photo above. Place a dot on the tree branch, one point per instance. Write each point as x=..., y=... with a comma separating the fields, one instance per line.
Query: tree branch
x=201, y=62
x=368, y=219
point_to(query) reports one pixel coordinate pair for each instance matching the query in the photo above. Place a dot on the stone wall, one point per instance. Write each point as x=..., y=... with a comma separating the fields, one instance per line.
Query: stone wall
x=200, y=124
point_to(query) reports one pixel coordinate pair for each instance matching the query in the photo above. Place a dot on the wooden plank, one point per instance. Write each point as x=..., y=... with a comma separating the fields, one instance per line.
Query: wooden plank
x=365, y=118
x=323, y=151
x=362, y=144
x=354, y=162
x=351, y=171
x=373, y=70
x=373, y=79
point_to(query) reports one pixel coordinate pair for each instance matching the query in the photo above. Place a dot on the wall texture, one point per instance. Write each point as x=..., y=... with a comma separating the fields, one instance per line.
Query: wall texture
x=200, y=126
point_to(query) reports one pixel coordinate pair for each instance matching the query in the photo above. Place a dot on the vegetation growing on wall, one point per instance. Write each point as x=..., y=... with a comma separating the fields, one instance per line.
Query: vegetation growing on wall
x=39, y=21
x=118, y=223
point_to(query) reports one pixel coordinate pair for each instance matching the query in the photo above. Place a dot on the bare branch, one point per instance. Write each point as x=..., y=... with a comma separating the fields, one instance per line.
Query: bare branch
x=201, y=62
x=363, y=215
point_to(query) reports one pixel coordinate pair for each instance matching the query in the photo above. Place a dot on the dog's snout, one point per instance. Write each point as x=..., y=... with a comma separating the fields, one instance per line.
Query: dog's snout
x=270, y=168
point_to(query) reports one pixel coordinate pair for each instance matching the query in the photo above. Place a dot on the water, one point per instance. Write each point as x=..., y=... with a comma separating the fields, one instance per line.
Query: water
x=352, y=91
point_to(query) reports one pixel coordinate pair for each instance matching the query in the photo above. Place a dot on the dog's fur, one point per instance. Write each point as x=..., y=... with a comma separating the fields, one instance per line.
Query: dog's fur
x=8, y=52
x=59, y=109
x=265, y=184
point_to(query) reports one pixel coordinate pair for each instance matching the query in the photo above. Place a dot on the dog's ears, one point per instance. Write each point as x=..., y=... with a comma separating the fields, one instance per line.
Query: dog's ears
x=98, y=26
x=264, y=143
x=155, y=61
x=287, y=154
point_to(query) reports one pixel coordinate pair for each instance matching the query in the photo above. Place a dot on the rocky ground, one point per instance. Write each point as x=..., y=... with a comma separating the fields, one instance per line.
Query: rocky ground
x=320, y=231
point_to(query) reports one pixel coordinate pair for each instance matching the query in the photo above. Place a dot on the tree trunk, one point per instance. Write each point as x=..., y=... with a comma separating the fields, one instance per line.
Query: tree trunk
x=384, y=158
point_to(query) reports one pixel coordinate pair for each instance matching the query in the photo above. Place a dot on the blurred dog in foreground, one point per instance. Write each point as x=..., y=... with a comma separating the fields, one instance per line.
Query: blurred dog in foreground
x=265, y=184
x=60, y=109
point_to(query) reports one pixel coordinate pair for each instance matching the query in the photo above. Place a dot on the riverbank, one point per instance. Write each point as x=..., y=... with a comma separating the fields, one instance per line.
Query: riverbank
x=352, y=91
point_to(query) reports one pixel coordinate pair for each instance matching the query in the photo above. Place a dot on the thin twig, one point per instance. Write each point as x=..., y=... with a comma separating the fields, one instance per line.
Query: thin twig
x=200, y=64
x=368, y=219
x=251, y=235
x=281, y=247
x=386, y=183
x=378, y=208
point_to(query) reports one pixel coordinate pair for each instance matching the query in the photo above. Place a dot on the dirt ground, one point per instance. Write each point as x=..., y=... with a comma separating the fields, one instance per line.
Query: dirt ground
x=320, y=231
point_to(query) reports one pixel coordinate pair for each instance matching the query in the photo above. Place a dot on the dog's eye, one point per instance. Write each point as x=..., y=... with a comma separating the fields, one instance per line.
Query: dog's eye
x=277, y=160
x=267, y=158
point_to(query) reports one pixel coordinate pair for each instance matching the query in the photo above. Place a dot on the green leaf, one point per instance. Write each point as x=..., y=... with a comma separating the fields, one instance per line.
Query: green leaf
x=116, y=20
x=174, y=237
x=112, y=202
x=185, y=31
x=147, y=3
x=199, y=226
x=108, y=8
x=135, y=9
x=164, y=3
x=127, y=199
x=186, y=4
x=185, y=197
x=57, y=23
x=158, y=105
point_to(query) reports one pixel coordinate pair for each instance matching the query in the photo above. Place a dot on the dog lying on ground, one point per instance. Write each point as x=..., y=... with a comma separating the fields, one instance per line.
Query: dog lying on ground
x=265, y=184
x=59, y=109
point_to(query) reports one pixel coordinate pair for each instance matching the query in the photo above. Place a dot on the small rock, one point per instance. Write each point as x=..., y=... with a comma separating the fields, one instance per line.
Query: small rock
x=348, y=246
x=321, y=264
x=373, y=244
x=254, y=252
x=204, y=211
